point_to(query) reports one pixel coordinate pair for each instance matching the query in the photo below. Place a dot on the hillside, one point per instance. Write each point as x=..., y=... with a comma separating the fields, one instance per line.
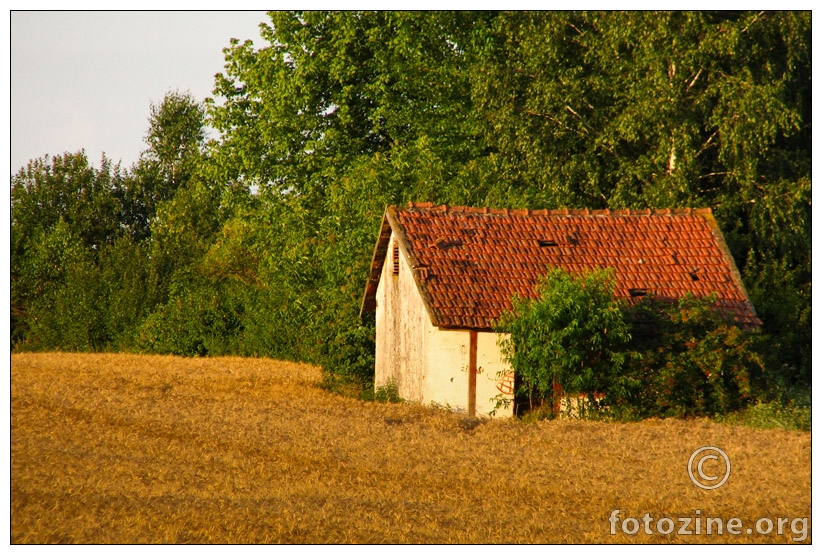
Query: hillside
x=151, y=449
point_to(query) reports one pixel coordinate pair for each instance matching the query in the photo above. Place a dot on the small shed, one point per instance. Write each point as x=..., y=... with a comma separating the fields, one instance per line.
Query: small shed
x=441, y=275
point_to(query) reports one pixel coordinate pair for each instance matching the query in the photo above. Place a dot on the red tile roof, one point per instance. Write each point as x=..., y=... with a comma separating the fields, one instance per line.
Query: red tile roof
x=469, y=262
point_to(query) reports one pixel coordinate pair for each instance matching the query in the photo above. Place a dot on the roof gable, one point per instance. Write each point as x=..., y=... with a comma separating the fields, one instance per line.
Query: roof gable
x=469, y=262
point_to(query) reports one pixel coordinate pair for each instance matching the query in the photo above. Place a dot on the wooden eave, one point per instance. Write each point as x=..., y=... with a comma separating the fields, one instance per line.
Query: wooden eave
x=390, y=224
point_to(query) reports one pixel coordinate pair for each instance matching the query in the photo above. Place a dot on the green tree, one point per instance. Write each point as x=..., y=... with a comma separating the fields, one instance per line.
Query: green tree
x=64, y=213
x=342, y=113
x=332, y=87
x=573, y=334
x=692, y=361
x=644, y=109
x=175, y=154
x=66, y=188
x=175, y=139
x=177, y=207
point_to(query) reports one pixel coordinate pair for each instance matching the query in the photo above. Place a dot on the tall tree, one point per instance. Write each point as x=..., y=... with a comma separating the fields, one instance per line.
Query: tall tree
x=175, y=153
x=85, y=270
x=64, y=214
x=175, y=138
x=342, y=113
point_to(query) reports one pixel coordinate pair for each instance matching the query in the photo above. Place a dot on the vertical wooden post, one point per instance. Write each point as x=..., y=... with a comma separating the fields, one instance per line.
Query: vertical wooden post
x=472, y=375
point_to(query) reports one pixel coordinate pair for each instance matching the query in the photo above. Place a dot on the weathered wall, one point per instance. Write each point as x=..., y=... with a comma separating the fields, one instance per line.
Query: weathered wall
x=400, y=322
x=447, y=364
x=429, y=364
x=491, y=381
x=447, y=370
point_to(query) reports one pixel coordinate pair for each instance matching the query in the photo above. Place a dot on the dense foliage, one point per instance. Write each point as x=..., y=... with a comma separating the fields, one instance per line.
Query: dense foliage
x=258, y=242
x=651, y=359
x=573, y=335
x=690, y=360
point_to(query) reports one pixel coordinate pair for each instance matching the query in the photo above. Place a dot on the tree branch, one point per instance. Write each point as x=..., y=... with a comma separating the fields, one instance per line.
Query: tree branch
x=708, y=142
x=751, y=22
x=712, y=174
x=698, y=73
x=588, y=127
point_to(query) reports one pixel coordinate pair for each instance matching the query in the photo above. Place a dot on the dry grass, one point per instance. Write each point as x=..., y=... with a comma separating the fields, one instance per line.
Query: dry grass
x=133, y=449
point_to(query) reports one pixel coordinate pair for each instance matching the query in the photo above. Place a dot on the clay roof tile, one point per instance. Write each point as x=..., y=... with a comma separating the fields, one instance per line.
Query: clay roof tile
x=482, y=256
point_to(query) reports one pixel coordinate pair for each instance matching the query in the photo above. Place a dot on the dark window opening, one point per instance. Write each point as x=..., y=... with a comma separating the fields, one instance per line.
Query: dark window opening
x=396, y=259
x=637, y=292
x=546, y=243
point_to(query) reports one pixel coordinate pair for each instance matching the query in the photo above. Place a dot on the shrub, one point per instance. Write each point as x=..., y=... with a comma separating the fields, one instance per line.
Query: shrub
x=200, y=318
x=348, y=360
x=691, y=360
x=657, y=358
x=772, y=414
x=389, y=393
x=573, y=334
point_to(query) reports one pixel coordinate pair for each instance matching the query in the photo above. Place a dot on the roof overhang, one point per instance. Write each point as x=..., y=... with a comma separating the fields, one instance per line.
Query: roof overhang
x=391, y=226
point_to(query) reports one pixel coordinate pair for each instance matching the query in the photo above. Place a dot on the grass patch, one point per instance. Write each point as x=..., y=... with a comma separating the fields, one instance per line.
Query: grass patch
x=388, y=393
x=772, y=415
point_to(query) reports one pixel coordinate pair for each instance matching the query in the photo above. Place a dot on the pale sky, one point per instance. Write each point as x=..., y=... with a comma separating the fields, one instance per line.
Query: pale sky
x=86, y=79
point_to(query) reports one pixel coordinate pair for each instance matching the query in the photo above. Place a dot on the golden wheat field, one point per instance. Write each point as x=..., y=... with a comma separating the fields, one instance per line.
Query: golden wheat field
x=150, y=449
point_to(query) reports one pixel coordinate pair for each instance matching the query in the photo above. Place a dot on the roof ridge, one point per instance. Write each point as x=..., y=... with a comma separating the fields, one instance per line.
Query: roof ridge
x=524, y=212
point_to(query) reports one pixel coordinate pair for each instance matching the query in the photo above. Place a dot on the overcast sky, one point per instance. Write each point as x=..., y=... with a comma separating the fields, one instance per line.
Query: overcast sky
x=85, y=80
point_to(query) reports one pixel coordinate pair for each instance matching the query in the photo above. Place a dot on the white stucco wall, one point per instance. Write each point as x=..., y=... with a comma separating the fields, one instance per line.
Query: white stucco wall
x=429, y=364
x=491, y=370
x=400, y=323
x=447, y=353
x=447, y=363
